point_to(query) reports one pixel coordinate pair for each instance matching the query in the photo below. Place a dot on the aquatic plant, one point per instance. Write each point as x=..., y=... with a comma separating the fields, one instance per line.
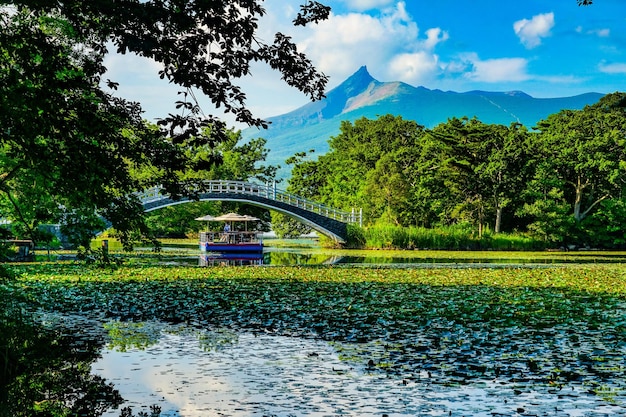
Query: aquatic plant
x=554, y=326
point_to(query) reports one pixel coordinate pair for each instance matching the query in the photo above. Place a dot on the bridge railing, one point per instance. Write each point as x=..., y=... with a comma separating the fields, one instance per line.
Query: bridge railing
x=268, y=191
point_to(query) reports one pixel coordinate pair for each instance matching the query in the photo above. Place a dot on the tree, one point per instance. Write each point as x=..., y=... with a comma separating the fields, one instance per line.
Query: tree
x=471, y=171
x=586, y=150
x=47, y=372
x=307, y=178
x=243, y=162
x=59, y=124
x=369, y=165
x=238, y=162
x=352, y=162
x=605, y=228
x=458, y=148
x=503, y=171
x=201, y=44
x=578, y=173
x=387, y=189
x=62, y=136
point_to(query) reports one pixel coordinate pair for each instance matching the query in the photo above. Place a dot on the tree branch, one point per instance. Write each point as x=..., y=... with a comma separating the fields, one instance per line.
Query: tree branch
x=17, y=210
x=595, y=203
x=5, y=177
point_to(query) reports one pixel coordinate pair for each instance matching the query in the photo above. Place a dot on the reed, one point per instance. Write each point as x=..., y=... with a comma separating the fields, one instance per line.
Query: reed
x=457, y=237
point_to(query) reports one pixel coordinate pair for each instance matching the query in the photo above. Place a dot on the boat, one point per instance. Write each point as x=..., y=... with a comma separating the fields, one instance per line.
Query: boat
x=240, y=242
x=230, y=240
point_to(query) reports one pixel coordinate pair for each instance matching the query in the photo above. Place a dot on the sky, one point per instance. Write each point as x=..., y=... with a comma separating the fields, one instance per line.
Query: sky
x=546, y=48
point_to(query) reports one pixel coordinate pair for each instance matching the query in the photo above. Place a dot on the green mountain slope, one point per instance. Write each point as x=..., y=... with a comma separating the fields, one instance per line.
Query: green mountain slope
x=310, y=126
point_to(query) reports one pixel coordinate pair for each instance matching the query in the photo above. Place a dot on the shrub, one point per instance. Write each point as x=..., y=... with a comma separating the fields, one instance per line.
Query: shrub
x=356, y=237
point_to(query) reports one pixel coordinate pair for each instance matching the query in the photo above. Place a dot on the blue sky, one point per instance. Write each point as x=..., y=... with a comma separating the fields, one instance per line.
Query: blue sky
x=546, y=48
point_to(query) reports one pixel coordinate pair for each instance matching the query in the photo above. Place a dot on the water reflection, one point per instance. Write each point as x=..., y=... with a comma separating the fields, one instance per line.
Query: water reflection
x=245, y=374
x=46, y=366
x=396, y=260
x=297, y=257
x=266, y=258
x=309, y=252
x=231, y=259
x=286, y=256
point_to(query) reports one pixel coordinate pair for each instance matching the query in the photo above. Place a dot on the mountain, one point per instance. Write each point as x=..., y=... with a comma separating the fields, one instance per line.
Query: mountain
x=312, y=125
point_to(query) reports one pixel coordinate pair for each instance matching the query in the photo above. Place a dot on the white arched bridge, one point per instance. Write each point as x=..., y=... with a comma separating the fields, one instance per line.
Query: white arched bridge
x=327, y=220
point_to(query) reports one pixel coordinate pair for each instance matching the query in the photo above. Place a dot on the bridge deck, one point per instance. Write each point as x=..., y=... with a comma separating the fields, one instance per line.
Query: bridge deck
x=325, y=219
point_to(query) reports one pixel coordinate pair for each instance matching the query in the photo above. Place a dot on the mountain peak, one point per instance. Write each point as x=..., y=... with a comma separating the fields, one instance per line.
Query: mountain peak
x=310, y=126
x=362, y=73
x=357, y=82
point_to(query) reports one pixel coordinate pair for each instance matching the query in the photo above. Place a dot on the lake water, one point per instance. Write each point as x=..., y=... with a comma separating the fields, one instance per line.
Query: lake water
x=193, y=373
x=308, y=252
x=190, y=373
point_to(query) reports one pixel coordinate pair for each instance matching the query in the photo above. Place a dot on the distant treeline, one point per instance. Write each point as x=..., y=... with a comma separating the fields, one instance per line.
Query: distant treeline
x=561, y=182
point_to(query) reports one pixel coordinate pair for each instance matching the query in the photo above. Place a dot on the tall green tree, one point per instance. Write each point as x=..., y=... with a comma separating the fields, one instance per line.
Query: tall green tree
x=459, y=146
x=472, y=171
x=371, y=155
x=307, y=178
x=585, y=151
x=503, y=171
x=387, y=188
x=605, y=229
x=61, y=134
x=59, y=122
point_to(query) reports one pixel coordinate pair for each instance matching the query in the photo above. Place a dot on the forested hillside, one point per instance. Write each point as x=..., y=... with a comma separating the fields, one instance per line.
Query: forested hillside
x=563, y=182
x=310, y=126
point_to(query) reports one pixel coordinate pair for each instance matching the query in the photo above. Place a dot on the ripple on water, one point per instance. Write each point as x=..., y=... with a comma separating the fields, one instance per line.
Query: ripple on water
x=268, y=375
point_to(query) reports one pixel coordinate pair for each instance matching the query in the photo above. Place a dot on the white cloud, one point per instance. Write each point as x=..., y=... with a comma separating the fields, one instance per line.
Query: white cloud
x=362, y=5
x=434, y=36
x=615, y=68
x=494, y=70
x=130, y=65
x=530, y=32
x=341, y=44
x=388, y=42
x=601, y=33
x=414, y=68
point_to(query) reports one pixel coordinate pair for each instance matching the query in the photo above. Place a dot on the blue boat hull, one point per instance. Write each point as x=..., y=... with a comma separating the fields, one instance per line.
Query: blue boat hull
x=231, y=247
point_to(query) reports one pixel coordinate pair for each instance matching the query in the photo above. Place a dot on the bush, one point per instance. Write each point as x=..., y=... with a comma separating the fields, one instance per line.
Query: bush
x=356, y=237
x=6, y=273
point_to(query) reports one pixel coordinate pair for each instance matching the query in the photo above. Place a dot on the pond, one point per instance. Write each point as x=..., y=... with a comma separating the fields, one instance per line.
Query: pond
x=308, y=252
x=507, y=339
x=195, y=373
